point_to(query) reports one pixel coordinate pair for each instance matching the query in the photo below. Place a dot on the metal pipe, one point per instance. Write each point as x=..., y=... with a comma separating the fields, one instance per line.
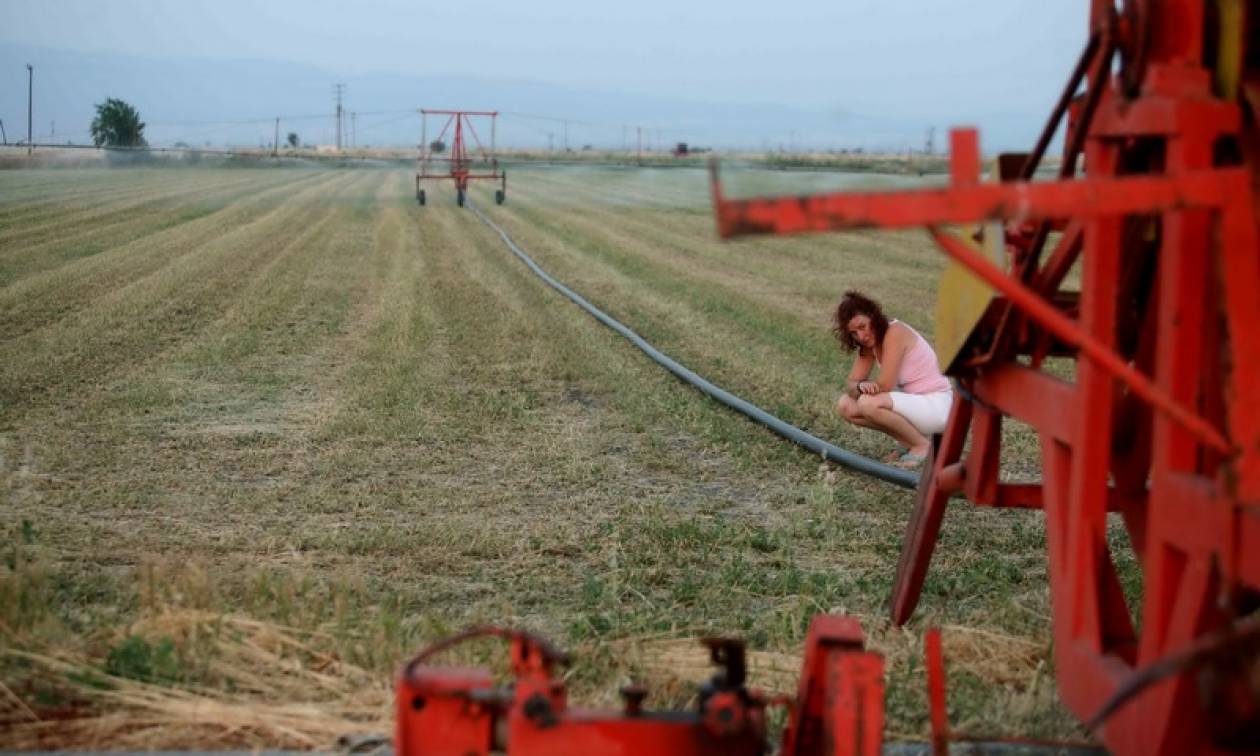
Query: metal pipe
x=30, y=89
x=843, y=457
x=937, y=715
x=1060, y=108
x=424, y=142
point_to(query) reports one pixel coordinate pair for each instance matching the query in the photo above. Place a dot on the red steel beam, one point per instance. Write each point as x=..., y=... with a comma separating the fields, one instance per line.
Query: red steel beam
x=1030, y=396
x=1015, y=201
x=937, y=715
x=1072, y=334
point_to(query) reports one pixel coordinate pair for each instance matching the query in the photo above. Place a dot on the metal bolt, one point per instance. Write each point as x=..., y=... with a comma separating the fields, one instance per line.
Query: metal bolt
x=634, y=694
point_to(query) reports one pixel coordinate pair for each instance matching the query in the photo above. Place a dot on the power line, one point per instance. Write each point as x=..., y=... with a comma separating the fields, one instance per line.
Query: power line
x=269, y=119
x=553, y=119
x=386, y=121
x=347, y=133
x=236, y=122
x=578, y=122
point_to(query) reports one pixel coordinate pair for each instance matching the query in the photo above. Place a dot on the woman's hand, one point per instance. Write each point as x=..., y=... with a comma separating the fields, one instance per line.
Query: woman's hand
x=868, y=387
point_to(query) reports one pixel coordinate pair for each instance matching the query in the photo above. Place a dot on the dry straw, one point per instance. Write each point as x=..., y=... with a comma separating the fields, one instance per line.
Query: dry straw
x=284, y=694
x=265, y=685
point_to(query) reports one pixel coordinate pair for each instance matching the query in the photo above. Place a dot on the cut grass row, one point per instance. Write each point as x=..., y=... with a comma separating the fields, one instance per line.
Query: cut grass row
x=756, y=315
x=78, y=235
x=324, y=407
x=146, y=306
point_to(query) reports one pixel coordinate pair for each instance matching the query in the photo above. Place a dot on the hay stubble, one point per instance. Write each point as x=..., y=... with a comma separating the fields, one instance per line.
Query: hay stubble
x=319, y=407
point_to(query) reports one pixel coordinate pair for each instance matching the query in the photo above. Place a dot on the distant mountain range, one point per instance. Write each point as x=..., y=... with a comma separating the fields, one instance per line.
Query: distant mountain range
x=219, y=103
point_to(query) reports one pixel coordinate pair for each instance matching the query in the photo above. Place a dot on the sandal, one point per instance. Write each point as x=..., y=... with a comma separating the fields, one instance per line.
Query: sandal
x=896, y=454
x=910, y=461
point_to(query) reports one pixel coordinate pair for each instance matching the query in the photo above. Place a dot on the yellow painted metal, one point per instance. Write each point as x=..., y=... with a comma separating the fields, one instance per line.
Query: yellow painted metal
x=1229, y=49
x=961, y=297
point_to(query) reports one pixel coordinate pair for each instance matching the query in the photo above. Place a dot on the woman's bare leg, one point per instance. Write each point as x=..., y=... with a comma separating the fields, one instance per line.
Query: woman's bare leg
x=848, y=409
x=877, y=411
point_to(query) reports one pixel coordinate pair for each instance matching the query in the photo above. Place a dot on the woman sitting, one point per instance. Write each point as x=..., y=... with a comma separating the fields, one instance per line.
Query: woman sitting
x=910, y=400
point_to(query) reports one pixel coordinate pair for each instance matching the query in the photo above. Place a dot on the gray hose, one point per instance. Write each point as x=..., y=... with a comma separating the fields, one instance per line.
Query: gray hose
x=843, y=457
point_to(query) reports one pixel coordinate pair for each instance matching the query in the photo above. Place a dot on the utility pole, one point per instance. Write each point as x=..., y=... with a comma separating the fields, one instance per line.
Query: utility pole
x=639, y=131
x=339, y=89
x=275, y=144
x=30, y=89
x=566, y=135
x=931, y=148
x=551, y=142
x=354, y=129
x=3, y=135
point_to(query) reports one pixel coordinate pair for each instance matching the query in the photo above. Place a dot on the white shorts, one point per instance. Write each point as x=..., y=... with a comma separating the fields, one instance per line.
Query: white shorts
x=927, y=412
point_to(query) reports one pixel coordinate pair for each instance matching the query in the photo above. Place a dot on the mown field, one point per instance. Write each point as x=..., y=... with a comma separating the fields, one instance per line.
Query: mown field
x=263, y=433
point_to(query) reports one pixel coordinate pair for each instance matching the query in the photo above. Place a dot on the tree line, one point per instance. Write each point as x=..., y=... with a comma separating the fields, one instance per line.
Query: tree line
x=118, y=124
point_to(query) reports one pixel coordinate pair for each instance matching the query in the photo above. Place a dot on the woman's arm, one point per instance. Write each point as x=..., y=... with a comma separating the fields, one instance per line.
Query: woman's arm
x=896, y=341
x=860, y=371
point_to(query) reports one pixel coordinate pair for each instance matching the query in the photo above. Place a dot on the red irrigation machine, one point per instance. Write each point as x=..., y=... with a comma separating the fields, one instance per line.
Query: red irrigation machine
x=459, y=164
x=1154, y=423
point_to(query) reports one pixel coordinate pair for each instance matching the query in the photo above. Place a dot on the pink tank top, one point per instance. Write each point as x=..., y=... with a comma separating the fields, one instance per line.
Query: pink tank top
x=920, y=373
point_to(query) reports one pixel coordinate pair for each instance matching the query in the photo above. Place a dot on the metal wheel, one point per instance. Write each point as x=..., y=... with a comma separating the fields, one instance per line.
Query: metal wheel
x=420, y=196
x=459, y=197
x=499, y=197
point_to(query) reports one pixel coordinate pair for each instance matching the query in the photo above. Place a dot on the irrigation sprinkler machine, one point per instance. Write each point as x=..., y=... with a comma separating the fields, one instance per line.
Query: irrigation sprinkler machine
x=1157, y=427
x=458, y=164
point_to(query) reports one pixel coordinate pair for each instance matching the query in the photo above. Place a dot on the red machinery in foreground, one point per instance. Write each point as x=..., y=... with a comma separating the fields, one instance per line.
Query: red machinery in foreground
x=459, y=163
x=839, y=708
x=1143, y=386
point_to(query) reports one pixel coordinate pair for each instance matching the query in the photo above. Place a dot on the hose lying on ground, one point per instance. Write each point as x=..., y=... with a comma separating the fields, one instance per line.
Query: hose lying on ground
x=843, y=457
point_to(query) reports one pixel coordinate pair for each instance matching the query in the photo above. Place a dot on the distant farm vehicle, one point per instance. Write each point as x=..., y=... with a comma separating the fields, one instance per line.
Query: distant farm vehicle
x=459, y=164
x=685, y=149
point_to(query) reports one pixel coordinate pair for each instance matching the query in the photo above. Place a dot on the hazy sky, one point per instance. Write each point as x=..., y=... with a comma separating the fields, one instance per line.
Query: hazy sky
x=876, y=73
x=883, y=56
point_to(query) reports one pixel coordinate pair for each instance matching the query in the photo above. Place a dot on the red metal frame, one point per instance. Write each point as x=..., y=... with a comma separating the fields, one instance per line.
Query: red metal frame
x=459, y=162
x=839, y=709
x=1162, y=421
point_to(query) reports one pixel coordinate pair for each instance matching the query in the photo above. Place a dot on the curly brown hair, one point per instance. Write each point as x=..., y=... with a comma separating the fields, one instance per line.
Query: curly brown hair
x=853, y=304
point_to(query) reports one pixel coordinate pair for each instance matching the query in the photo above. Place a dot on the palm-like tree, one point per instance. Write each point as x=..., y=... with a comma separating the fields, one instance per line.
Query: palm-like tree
x=117, y=124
